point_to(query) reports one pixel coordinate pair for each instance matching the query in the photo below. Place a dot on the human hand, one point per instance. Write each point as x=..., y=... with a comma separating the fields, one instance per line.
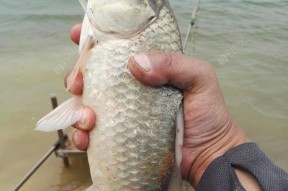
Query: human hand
x=209, y=130
x=87, y=122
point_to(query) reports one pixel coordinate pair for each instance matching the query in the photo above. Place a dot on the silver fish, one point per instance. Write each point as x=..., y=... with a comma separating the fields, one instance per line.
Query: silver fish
x=132, y=146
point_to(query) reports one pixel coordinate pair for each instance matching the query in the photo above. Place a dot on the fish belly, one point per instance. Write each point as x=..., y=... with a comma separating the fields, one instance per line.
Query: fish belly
x=132, y=146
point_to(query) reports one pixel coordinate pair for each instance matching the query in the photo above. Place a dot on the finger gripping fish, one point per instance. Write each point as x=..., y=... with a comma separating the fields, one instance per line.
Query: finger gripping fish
x=132, y=146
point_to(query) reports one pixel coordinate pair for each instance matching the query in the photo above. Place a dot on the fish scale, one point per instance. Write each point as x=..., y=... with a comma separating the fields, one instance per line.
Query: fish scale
x=135, y=123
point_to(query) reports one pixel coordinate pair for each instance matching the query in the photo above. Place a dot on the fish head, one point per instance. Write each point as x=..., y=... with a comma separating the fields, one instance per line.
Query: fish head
x=124, y=18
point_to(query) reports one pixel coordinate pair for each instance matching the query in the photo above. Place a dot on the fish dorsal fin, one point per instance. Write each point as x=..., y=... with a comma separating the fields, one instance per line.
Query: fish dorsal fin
x=63, y=116
x=84, y=4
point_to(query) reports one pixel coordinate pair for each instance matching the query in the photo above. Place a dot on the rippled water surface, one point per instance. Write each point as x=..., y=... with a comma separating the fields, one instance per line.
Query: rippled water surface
x=246, y=42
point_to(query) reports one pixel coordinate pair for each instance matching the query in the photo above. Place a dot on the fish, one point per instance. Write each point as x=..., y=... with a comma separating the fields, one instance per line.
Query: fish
x=137, y=140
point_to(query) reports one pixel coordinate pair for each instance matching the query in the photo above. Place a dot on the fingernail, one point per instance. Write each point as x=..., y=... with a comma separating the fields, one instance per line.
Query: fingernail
x=75, y=136
x=83, y=117
x=143, y=61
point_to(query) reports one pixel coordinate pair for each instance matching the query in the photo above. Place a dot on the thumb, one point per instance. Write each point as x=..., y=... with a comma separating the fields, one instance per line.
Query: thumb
x=158, y=68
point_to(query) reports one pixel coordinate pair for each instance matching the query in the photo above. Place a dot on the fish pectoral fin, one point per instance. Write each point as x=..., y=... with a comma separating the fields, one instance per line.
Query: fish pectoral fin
x=63, y=116
x=84, y=4
x=179, y=135
x=176, y=181
x=93, y=188
x=81, y=62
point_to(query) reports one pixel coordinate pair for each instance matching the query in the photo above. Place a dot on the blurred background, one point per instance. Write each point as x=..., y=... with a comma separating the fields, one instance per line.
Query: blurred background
x=245, y=40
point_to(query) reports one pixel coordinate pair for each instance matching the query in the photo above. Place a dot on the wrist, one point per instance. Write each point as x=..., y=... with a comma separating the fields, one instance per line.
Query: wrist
x=225, y=139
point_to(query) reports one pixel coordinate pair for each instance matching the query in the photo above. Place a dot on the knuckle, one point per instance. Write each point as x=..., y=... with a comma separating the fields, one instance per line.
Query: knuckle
x=174, y=62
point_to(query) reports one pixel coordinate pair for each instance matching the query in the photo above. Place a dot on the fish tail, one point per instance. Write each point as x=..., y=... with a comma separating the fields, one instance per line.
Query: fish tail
x=63, y=116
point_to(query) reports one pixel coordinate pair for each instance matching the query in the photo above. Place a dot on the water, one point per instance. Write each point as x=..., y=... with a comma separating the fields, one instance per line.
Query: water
x=245, y=41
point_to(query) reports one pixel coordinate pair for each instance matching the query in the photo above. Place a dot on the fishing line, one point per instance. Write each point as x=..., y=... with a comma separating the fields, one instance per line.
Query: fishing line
x=192, y=24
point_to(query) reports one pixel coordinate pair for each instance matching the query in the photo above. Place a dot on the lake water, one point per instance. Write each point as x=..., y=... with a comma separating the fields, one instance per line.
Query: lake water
x=245, y=40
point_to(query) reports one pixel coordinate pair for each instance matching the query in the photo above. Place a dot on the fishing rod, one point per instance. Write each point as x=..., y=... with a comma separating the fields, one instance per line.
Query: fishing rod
x=192, y=23
x=36, y=166
x=59, y=143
